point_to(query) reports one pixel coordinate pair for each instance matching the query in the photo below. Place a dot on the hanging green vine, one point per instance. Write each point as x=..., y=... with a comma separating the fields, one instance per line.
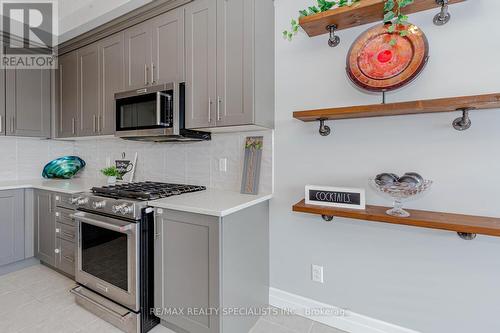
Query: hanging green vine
x=323, y=6
x=392, y=15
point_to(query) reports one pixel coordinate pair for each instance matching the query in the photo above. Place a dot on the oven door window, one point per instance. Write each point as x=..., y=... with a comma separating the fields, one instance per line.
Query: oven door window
x=147, y=111
x=104, y=255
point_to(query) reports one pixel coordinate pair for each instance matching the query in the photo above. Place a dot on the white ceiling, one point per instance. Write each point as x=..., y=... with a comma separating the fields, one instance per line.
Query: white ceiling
x=79, y=16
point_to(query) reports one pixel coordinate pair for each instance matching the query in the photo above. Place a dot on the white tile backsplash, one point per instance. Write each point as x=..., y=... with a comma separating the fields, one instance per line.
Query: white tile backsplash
x=24, y=158
x=193, y=163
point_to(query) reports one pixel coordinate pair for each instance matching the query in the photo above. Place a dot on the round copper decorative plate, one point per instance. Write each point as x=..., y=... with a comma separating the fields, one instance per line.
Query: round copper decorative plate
x=376, y=65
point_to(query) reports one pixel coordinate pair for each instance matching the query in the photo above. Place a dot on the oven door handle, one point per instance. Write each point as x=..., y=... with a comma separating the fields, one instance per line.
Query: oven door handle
x=97, y=223
x=158, y=109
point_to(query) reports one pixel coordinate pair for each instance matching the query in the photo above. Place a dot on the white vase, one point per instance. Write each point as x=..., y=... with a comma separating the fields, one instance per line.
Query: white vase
x=112, y=180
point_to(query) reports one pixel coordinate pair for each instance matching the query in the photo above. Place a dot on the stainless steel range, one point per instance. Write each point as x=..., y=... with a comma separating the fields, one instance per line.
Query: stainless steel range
x=115, y=246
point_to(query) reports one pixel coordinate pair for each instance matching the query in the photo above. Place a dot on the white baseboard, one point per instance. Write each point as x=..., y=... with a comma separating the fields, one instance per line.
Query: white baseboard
x=335, y=317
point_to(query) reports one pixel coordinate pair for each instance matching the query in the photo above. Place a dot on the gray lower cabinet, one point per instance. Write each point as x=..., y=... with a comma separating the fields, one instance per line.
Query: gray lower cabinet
x=202, y=261
x=187, y=268
x=2, y=103
x=11, y=226
x=67, y=92
x=28, y=102
x=45, y=223
x=55, y=230
x=240, y=33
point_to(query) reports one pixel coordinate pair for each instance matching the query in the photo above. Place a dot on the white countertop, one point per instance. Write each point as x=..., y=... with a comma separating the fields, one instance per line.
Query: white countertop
x=72, y=186
x=210, y=202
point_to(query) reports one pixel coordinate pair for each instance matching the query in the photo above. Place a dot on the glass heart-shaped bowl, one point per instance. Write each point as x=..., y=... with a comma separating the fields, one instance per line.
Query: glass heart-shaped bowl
x=400, y=192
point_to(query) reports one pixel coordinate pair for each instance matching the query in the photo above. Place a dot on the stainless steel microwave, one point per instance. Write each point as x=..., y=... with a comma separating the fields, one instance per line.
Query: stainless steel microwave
x=154, y=113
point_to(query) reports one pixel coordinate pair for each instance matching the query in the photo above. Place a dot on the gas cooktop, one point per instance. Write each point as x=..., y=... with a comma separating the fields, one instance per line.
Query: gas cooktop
x=145, y=191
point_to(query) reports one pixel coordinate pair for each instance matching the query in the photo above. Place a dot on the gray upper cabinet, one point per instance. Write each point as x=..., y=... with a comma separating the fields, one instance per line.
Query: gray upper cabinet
x=97, y=72
x=67, y=84
x=2, y=102
x=28, y=102
x=45, y=237
x=154, y=51
x=88, y=90
x=201, y=63
x=11, y=226
x=138, y=59
x=112, y=80
x=222, y=49
x=234, y=62
x=168, y=47
x=244, y=64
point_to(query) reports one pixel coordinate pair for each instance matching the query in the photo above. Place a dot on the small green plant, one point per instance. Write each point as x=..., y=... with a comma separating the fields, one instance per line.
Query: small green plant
x=110, y=172
x=392, y=15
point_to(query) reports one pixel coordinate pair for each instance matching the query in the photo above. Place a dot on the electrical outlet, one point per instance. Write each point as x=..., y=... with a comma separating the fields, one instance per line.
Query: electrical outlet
x=223, y=164
x=317, y=273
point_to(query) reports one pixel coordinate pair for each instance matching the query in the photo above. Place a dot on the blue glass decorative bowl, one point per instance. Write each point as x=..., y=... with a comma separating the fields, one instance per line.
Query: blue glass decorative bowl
x=63, y=168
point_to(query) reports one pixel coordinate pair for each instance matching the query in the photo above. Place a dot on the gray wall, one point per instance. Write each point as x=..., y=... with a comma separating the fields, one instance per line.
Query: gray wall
x=426, y=280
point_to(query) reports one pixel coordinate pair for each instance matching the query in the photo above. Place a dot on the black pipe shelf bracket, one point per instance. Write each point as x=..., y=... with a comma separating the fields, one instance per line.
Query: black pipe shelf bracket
x=444, y=15
x=463, y=123
x=333, y=40
x=324, y=130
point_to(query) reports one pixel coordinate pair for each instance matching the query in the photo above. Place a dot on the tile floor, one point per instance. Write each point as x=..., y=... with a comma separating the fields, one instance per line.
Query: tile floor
x=37, y=300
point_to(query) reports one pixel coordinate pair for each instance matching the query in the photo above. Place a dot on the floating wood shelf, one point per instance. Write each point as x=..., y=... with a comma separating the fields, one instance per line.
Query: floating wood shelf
x=490, y=101
x=363, y=12
x=465, y=224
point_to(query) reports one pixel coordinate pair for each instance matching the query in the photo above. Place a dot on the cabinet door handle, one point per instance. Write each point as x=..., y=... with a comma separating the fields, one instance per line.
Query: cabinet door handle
x=219, y=101
x=68, y=258
x=94, y=123
x=68, y=234
x=209, y=110
x=153, y=73
x=12, y=124
x=1, y=124
x=98, y=123
x=73, y=126
x=146, y=74
x=57, y=251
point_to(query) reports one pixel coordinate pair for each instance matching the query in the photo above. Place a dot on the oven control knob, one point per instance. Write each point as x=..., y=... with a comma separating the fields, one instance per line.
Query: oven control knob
x=82, y=201
x=116, y=208
x=126, y=210
x=98, y=204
